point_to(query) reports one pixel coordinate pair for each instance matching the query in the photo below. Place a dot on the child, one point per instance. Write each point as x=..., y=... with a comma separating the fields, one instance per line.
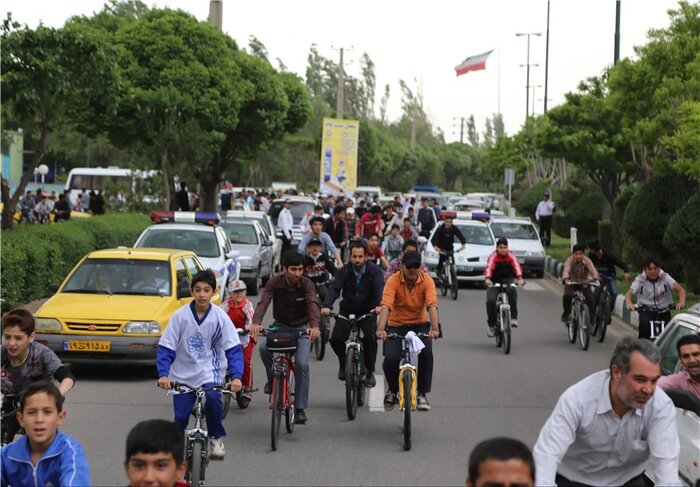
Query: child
x=154, y=454
x=392, y=244
x=577, y=269
x=25, y=361
x=374, y=251
x=44, y=456
x=240, y=310
x=197, y=345
x=318, y=267
x=408, y=232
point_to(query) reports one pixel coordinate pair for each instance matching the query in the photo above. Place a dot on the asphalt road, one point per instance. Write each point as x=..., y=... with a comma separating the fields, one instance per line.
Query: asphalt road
x=478, y=392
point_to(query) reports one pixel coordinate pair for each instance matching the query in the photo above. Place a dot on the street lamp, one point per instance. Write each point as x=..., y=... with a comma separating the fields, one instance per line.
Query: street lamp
x=527, y=83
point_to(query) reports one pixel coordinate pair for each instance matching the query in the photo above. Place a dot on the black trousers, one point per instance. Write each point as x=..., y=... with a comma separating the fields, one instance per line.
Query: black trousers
x=638, y=481
x=645, y=318
x=587, y=294
x=340, y=334
x=546, y=229
x=492, y=295
x=286, y=243
x=392, y=358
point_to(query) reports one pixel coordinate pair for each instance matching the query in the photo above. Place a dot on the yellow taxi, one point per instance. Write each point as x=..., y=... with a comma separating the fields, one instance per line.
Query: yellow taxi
x=115, y=303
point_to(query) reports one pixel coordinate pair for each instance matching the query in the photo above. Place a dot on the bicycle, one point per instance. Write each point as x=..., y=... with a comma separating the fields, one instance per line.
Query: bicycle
x=448, y=275
x=579, y=320
x=503, y=328
x=319, y=346
x=354, y=365
x=656, y=325
x=197, y=438
x=602, y=313
x=10, y=406
x=408, y=382
x=242, y=397
x=282, y=391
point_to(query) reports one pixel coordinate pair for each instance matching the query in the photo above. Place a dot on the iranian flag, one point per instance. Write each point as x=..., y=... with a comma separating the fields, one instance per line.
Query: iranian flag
x=473, y=63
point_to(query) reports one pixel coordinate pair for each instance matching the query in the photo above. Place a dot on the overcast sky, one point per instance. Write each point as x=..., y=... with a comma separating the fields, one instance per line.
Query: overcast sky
x=425, y=40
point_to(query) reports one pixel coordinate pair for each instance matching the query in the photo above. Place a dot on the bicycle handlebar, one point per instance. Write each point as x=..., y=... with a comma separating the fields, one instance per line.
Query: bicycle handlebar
x=267, y=331
x=350, y=320
x=593, y=282
x=397, y=335
x=187, y=389
x=652, y=309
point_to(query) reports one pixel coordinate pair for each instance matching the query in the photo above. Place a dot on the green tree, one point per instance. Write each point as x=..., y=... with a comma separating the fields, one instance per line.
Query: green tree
x=472, y=134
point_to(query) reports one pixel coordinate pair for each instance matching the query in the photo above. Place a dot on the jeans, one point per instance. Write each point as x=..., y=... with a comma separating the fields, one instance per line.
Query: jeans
x=182, y=404
x=341, y=332
x=611, y=283
x=492, y=295
x=301, y=358
x=392, y=359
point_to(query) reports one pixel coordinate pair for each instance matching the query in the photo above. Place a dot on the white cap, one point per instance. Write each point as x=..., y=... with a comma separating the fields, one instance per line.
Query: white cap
x=350, y=210
x=237, y=285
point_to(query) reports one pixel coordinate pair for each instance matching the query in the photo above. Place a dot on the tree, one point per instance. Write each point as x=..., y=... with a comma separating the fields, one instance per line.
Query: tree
x=50, y=76
x=472, y=134
x=685, y=141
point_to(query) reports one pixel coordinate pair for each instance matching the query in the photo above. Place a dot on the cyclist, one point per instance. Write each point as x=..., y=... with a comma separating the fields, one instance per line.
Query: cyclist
x=653, y=289
x=375, y=254
x=361, y=284
x=407, y=294
x=25, y=361
x=395, y=265
x=444, y=238
x=577, y=269
x=294, y=308
x=370, y=222
x=502, y=266
x=337, y=228
x=390, y=218
x=327, y=244
x=318, y=267
x=408, y=231
x=392, y=243
x=240, y=310
x=605, y=263
x=305, y=223
x=426, y=218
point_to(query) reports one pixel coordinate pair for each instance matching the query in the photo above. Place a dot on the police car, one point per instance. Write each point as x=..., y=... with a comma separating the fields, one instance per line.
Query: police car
x=199, y=232
x=480, y=242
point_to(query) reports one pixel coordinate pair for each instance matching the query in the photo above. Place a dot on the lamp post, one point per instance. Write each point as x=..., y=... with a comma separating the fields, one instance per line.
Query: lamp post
x=533, y=97
x=527, y=83
x=546, y=62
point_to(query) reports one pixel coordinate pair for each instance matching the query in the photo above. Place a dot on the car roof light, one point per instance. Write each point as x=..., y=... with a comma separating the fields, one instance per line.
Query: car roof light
x=206, y=218
x=447, y=214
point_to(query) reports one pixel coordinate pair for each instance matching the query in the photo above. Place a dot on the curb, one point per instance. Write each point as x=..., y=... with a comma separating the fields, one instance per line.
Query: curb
x=555, y=269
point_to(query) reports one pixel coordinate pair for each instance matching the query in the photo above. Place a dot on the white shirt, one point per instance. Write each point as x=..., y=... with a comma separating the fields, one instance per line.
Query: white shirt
x=285, y=222
x=585, y=441
x=544, y=208
x=653, y=294
x=199, y=345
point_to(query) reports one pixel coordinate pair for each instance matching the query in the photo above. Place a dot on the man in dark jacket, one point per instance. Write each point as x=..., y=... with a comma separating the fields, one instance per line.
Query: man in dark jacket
x=443, y=241
x=605, y=263
x=183, y=198
x=336, y=227
x=362, y=284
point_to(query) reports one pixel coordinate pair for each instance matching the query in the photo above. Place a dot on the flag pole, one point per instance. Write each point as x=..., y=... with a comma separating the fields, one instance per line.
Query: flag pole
x=499, y=80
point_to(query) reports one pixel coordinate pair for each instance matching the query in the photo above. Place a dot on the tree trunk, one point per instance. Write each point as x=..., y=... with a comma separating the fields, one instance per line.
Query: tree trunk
x=209, y=195
x=6, y=209
x=166, y=179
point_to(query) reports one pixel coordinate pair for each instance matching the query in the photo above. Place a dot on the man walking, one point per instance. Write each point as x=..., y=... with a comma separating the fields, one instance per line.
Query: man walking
x=543, y=214
x=285, y=222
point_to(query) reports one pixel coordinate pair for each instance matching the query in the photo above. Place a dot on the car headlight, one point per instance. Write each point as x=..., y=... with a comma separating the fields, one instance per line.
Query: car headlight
x=47, y=325
x=143, y=327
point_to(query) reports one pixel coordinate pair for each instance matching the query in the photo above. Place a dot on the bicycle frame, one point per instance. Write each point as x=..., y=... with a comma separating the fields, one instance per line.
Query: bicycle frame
x=502, y=304
x=656, y=326
x=406, y=364
x=282, y=367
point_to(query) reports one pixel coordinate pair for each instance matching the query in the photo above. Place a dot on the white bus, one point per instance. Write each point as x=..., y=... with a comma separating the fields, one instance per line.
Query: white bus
x=100, y=178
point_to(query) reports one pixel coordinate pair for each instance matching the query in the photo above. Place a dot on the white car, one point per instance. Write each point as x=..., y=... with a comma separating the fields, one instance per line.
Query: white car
x=470, y=262
x=266, y=223
x=200, y=233
x=523, y=240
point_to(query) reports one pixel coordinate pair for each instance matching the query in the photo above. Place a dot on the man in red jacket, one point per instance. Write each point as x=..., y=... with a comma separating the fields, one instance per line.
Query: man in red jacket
x=370, y=222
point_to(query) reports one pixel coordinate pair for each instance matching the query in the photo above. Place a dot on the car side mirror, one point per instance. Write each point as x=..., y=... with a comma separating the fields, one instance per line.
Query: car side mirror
x=53, y=288
x=183, y=289
x=267, y=243
x=232, y=253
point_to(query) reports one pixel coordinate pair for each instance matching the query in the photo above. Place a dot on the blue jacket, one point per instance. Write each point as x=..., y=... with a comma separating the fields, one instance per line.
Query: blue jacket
x=356, y=299
x=64, y=464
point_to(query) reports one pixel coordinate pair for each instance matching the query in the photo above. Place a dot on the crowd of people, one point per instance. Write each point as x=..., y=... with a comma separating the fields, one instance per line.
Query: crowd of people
x=39, y=207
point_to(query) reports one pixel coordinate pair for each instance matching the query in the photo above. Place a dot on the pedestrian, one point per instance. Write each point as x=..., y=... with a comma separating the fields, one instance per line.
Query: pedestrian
x=182, y=198
x=505, y=462
x=285, y=224
x=154, y=454
x=543, y=215
x=97, y=203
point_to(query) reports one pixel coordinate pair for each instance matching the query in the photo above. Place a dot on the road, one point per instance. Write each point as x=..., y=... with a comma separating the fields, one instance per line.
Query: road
x=478, y=392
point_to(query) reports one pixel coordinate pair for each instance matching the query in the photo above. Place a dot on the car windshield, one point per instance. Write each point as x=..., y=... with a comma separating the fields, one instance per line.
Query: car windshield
x=525, y=231
x=120, y=276
x=241, y=233
x=476, y=235
x=202, y=243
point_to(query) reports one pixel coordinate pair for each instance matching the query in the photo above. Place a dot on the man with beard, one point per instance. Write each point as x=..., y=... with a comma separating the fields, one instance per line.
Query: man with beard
x=611, y=426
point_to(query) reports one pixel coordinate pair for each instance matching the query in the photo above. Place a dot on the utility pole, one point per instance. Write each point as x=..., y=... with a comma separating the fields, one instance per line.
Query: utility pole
x=461, y=129
x=534, y=98
x=216, y=9
x=340, y=99
x=527, y=83
x=546, y=62
x=617, y=32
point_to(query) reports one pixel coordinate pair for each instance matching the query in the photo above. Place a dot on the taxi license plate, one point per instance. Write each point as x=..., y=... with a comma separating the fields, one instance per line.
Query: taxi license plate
x=464, y=268
x=85, y=346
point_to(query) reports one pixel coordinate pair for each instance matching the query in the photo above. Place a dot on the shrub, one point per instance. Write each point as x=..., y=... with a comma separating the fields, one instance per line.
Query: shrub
x=618, y=213
x=605, y=236
x=583, y=214
x=34, y=256
x=681, y=238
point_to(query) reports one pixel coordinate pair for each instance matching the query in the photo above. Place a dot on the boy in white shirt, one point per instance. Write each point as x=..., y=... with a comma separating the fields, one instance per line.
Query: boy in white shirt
x=195, y=349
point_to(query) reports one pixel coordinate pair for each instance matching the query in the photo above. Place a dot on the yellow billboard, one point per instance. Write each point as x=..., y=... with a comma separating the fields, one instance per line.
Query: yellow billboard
x=339, y=156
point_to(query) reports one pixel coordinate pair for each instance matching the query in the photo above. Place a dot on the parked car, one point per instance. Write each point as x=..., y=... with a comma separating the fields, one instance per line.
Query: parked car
x=687, y=416
x=256, y=258
x=523, y=240
x=115, y=303
x=470, y=262
x=301, y=206
x=266, y=223
x=199, y=232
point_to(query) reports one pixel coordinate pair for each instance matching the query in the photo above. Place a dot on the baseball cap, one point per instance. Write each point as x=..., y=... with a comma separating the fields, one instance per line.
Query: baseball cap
x=350, y=211
x=411, y=259
x=314, y=241
x=547, y=193
x=287, y=201
x=237, y=285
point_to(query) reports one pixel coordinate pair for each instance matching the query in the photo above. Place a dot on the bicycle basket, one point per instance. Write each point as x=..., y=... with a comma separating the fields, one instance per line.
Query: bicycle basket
x=281, y=341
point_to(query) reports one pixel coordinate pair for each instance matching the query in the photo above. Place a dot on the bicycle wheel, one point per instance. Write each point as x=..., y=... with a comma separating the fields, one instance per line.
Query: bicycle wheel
x=584, y=327
x=443, y=282
x=571, y=326
x=290, y=409
x=497, y=332
x=320, y=343
x=361, y=385
x=455, y=283
x=407, y=406
x=605, y=319
x=196, y=467
x=277, y=386
x=506, y=332
x=351, y=380
x=226, y=403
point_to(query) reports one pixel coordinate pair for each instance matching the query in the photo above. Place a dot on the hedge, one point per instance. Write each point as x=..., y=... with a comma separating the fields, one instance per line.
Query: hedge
x=34, y=256
x=682, y=237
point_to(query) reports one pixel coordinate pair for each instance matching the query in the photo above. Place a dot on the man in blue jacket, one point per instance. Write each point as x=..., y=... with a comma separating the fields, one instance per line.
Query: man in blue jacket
x=362, y=284
x=44, y=456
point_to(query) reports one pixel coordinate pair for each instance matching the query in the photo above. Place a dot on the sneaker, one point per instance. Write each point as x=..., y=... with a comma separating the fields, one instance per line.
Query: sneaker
x=491, y=332
x=217, y=449
x=248, y=396
x=341, y=372
x=389, y=400
x=370, y=381
x=423, y=404
x=268, y=388
x=300, y=417
x=514, y=323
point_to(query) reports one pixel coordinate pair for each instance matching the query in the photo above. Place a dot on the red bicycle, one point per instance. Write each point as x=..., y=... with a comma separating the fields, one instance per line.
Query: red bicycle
x=282, y=345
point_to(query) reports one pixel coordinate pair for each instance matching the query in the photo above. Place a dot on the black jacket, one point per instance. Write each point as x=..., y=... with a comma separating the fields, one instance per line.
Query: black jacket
x=319, y=270
x=444, y=237
x=336, y=230
x=606, y=264
x=360, y=299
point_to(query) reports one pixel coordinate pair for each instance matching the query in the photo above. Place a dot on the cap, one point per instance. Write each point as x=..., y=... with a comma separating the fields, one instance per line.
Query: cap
x=237, y=285
x=350, y=211
x=287, y=201
x=314, y=241
x=411, y=259
x=547, y=193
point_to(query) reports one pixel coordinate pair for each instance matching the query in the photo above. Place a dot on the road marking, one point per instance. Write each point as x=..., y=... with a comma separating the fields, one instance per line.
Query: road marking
x=376, y=395
x=532, y=286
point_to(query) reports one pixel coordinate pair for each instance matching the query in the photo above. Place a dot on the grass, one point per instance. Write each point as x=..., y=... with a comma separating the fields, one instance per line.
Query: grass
x=560, y=248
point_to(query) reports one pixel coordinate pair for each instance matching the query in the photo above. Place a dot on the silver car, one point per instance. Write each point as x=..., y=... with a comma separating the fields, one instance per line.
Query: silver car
x=267, y=224
x=255, y=259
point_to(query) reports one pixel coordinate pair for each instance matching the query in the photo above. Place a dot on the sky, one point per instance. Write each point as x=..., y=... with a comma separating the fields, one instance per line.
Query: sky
x=422, y=41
